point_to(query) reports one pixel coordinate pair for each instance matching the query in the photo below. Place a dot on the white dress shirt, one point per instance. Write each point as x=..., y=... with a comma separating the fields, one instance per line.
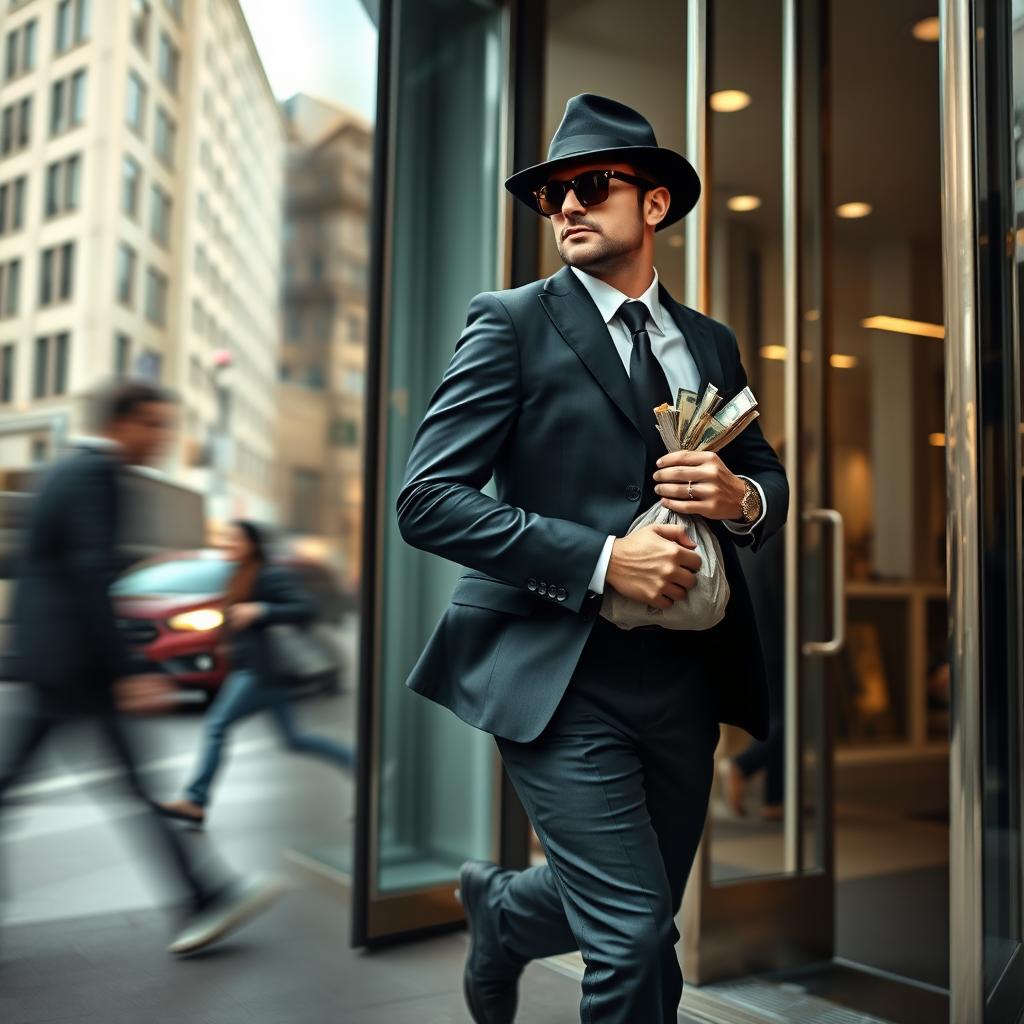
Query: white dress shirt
x=670, y=349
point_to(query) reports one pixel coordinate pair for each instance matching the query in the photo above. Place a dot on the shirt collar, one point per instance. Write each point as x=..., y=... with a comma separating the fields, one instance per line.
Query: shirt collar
x=608, y=299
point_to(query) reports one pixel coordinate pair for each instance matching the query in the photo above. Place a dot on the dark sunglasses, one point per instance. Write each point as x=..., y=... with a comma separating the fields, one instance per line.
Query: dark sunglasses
x=591, y=189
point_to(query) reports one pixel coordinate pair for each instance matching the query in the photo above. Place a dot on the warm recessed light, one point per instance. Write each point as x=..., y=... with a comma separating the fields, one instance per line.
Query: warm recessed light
x=852, y=211
x=676, y=241
x=773, y=351
x=937, y=440
x=926, y=30
x=812, y=315
x=899, y=325
x=728, y=101
x=743, y=204
x=841, y=362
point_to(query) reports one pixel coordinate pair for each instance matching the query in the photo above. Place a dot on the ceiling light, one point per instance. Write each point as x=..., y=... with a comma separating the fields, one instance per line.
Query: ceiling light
x=937, y=440
x=853, y=211
x=812, y=315
x=743, y=204
x=841, y=362
x=899, y=325
x=728, y=101
x=773, y=351
x=926, y=30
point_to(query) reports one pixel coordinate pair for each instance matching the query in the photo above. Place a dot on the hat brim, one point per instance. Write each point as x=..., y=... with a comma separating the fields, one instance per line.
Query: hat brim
x=665, y=166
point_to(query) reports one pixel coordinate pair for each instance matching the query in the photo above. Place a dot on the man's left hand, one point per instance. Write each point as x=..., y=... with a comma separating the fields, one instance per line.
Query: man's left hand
x=717, y=491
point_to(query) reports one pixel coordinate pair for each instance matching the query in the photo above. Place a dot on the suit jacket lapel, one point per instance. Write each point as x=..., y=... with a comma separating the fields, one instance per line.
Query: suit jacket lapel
x=576, y=318
x=698, y=340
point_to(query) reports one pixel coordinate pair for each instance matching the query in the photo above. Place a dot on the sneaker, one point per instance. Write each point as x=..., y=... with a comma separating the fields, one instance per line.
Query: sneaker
x=225, y=913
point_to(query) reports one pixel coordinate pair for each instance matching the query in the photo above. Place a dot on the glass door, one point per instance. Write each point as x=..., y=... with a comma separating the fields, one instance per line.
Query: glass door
x=761, y=894
x=427, y=784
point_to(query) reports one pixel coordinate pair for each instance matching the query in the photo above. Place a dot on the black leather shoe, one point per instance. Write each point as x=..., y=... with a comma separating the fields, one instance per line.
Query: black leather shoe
x=489, y=981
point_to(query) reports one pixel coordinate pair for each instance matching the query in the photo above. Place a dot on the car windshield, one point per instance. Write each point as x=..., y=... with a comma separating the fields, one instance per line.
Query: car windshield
x=184, y=576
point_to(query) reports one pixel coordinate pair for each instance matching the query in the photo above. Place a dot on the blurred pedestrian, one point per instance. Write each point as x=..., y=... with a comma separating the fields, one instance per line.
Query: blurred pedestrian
x=259, y=595
x=70, y=650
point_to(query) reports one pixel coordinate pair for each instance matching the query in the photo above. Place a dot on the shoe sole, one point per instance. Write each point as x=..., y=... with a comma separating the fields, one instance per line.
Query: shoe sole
x=245, y=911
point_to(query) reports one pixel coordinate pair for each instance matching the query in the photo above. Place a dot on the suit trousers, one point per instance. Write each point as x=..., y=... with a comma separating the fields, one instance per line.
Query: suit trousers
x=617, y=789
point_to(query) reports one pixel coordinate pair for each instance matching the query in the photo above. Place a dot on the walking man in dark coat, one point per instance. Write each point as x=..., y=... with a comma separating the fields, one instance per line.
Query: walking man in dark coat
x=69, y=648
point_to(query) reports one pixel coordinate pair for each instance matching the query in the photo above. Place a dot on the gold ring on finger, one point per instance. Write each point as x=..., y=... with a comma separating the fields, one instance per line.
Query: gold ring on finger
x=689, y=489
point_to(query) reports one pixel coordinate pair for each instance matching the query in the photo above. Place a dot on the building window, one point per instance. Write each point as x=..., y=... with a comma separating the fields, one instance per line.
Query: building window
x=141, y=12
x=41, y=368
x=168, y=62
x=160, y=216
x=125, y=272
x=21, y=50
x=344, y=433
x=7, y=374
x=131, y=180
x=122, y=354
x=165, y=136
x=72, y=23
x=149, y=366
x=174, y=6
x=136, y=109
x=57, y=274
x=63, y=186
x=51, y=365
x=10, y=288
x=156, y=296
x=12, y=205
x=60, y=369
x=15, y=126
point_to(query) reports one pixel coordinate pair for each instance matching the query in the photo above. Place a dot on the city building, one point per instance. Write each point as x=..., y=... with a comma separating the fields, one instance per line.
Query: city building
x=323, y=351
x=141, y=175
x=860, y=229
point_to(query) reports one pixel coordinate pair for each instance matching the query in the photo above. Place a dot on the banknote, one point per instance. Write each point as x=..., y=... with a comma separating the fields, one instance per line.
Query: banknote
x=706, y=408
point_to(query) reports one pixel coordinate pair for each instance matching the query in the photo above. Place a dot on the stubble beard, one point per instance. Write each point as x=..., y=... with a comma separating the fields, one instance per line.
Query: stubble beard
x=603, y=255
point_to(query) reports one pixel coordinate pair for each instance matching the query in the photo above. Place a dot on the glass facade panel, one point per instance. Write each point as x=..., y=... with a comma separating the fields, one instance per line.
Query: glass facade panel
x=436, y=774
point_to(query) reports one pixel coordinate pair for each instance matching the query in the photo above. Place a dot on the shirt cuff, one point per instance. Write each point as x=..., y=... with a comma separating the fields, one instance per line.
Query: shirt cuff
x=601, y=569
x=748, y=527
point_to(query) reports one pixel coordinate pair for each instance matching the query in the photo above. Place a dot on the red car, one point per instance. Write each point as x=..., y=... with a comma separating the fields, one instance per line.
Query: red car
x=170, y=610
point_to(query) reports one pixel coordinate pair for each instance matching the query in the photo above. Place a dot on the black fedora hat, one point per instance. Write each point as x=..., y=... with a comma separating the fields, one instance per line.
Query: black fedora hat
x=594, y=126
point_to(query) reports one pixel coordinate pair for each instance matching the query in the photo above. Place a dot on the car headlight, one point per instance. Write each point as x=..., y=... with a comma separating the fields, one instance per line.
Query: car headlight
x=197, y=620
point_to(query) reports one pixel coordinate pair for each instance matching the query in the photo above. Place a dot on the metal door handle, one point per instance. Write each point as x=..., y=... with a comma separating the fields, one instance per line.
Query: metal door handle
x=835, y=645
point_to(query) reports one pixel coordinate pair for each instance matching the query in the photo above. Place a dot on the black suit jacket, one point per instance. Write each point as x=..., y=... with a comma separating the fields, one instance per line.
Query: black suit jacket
x=533, y=365
x=66, y=637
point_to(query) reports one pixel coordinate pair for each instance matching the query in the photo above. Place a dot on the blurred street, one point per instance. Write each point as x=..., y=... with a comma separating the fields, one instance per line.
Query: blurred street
x=82, y=939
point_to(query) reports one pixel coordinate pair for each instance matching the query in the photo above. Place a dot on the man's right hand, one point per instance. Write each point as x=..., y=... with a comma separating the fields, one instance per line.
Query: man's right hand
x=655, y=564
x=144, y=695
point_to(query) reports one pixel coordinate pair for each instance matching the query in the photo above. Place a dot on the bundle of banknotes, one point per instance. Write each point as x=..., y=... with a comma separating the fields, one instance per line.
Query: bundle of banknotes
x=704, y=424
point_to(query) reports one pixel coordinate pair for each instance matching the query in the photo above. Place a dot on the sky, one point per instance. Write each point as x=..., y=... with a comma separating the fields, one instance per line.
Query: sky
x=324, y=47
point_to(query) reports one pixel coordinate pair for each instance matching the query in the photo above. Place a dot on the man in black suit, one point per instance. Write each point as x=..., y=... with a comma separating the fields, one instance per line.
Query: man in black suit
x=68, y=646
x=607, y=734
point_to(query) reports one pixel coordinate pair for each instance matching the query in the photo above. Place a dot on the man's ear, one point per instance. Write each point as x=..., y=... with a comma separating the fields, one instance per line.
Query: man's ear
x=656, y=204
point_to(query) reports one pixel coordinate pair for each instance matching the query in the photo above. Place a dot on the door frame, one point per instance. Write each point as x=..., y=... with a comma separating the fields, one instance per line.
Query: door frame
x=778, y=921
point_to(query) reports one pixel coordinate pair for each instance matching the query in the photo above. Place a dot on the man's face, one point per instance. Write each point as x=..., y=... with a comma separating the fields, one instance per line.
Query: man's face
x=599, y=237
x=146, y=433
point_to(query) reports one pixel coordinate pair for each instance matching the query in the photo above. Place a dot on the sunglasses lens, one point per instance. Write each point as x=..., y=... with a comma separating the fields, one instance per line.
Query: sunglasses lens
x=591, y=189
x=550, y=197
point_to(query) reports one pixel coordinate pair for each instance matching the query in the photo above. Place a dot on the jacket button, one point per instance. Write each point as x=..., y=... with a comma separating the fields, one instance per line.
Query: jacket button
x=561, y=594
x=542, y=588
x=531, y=584
x=633, y=492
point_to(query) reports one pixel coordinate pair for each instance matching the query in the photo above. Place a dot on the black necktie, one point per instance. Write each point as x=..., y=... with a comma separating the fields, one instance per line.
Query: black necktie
x=649, y=385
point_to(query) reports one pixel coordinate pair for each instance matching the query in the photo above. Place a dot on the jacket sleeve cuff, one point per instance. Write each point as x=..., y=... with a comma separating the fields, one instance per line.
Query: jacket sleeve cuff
x=596, y=584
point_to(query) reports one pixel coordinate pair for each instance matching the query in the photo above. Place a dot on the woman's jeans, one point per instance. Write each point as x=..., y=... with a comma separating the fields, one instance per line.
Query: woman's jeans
x=244, y=694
